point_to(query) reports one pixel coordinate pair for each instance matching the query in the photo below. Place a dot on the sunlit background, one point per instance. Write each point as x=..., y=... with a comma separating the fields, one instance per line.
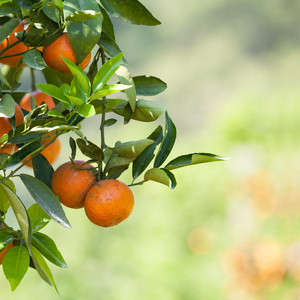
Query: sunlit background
x=229, y=230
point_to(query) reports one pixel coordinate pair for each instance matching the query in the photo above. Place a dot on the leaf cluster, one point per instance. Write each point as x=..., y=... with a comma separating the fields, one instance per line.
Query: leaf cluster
x=78, y=96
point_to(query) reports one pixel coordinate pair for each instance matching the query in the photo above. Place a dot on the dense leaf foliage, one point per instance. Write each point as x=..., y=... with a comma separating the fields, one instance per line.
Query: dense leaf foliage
x=77, y=96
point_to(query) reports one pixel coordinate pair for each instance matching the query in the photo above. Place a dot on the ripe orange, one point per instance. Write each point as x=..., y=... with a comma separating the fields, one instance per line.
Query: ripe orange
x=108, y=202
x=51, y=152
x=40, y=97
x=19, y=48
x=62, y=47
x=72, y=184
x=5, y=127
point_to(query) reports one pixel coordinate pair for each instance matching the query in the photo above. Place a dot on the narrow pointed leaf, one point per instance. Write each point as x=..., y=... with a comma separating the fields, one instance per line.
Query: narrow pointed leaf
x=48, y=249
x=42, y=169
x=108, y=90
x=44, y=196
x=81, y=76
x=168, y=142
x=106, y=72
x=4, y=201
x=53, y=91
x=193, y=159
x=163, y=176
x=143, y=160
x=110, y=46
x=133, y=148
x=126, y=79
x=15, y=265
x=7, y=28
x=42, y=267
x=20, y=212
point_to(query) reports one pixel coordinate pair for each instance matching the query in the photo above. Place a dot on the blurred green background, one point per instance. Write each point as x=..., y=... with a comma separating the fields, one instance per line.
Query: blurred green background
x=229, y=230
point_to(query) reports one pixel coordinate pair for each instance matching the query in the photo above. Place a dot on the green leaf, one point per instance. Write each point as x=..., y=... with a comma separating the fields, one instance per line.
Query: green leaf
x=81, y=76
x=42, y=30
x=109, y=103
x=108, y=90
x=143, y=160
x=54, y=113
x=106, y=72
x=54, y=91
x=168, y=142
x=125, y=78
x=145, y=110
x=107, y=25
x=42, y=169
x=148, y=86
x=42, y=267
x=117, y=165
x=4, y=201
x=5, y=238
x=44, y=196
x=20, y=212
x=54, y=10
x=53, y=126
x=130, y=11
x=83, y=15
x=46, y=246
x=193, y=159
x=110, y=46
x=163, y=176
x=132, y=148
x=10, y=8
x=8, y=27
x=15, y=265
x=33, y=59
x=39, y=219
x=7, y=106
x=109, y=122
x=87, y=110
x=72, y=144
x=90, y=150
x=22, y=153
x=83, y=34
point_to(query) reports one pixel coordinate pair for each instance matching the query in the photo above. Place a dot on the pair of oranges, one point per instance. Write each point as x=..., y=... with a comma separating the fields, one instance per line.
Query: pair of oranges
x=106, y=202
x=51, y=53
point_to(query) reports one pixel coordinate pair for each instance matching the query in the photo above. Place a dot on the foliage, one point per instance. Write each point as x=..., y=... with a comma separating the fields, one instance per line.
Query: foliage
x=78, y=96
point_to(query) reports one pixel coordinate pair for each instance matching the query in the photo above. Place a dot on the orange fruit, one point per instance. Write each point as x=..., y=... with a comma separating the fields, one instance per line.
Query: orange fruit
x=62, y=47
x=108, y=202
x=40, y=98
x=72, y=184
x=51, y=152
x=5, y=127
x=18, y=48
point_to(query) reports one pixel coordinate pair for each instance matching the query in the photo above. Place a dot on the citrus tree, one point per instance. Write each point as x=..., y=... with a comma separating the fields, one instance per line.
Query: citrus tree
x=71, y=45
